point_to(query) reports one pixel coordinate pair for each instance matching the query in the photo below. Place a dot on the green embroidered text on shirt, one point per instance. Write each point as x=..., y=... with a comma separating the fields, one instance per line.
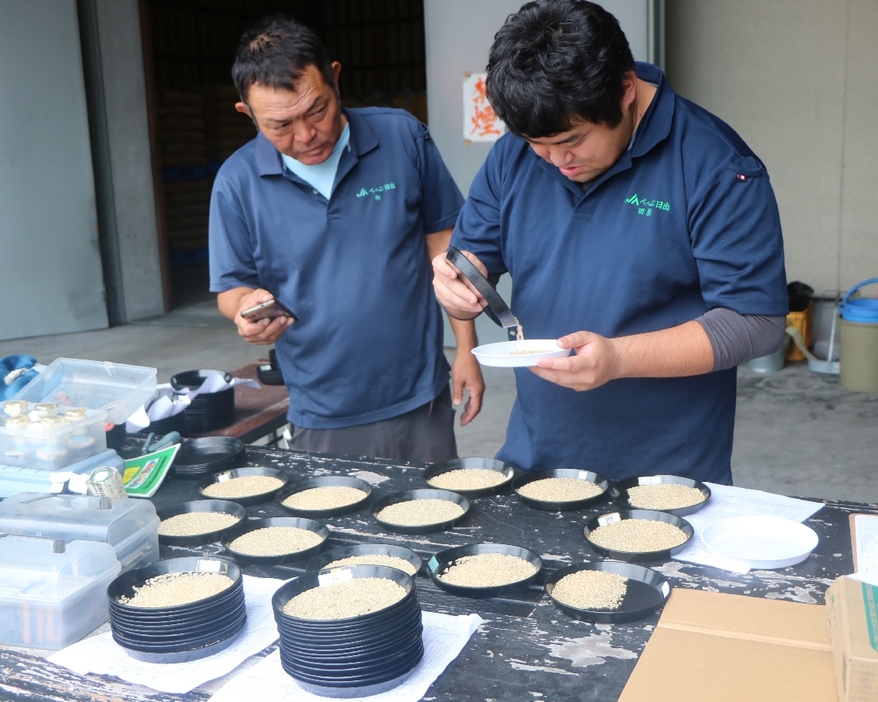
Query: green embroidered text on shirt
x=647, y=207
x=376, y=191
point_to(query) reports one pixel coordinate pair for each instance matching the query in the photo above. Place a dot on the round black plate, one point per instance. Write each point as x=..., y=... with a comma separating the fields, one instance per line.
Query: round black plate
x=471, y=463
x=425, y=494
x=320, y=561
x=645, y=556
x=210, y=454
x=647, y=591
x=575, y=473
x=124, y=584
x=193, y=379
x=254, y=524
x=619, y=491
x=311, y=580
x=244, y=473
x=443, y=560
x=497, y=310
x=184, y=656
x=361, y=690
x=326, y=481
x=223, y=506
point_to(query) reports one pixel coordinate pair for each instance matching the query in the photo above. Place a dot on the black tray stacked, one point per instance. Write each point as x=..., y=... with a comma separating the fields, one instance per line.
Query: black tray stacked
x=270, y=374
x=209, y=454
x=353, y=657
x=183, y=632
x=208, y=411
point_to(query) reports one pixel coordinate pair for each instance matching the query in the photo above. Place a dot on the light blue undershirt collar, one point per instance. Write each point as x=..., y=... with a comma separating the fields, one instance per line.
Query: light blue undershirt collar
x=321, y=176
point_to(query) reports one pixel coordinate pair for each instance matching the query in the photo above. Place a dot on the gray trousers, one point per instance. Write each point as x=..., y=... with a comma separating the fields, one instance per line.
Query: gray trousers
x=425, y=434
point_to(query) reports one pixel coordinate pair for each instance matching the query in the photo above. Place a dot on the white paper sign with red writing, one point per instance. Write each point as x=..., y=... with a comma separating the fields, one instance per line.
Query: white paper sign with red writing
x=480, y=123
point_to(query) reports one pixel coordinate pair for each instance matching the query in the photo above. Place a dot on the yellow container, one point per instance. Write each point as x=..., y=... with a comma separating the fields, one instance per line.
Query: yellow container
x=858, y=354
x=803, y=321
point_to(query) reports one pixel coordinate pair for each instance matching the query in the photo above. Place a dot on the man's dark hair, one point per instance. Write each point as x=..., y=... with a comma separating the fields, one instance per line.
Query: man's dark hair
x=275, y=52
x=555, y=61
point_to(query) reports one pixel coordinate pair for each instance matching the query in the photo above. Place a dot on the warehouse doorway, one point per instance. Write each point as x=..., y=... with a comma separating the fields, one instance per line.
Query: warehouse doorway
x=190, y=47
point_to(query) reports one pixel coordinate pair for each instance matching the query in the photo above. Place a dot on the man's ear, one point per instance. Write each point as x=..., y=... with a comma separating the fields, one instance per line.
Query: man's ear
x=242, y=107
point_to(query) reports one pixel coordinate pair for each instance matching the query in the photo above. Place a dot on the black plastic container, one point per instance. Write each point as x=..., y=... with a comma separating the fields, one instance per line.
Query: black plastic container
x=320, y=561
x=223, y=506
x=619, y=491
x=443, y=560
x=322, y=482
x=227, y=475
x=207, y=411
x=425, y=494
x=256, y=524
x=571, y=473
x=638, y=556
x=471, y=463
x=210, y=454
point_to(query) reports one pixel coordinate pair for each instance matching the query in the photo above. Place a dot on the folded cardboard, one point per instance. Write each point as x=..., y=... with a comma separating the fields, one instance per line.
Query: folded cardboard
x=852, y=608
x=728, y=648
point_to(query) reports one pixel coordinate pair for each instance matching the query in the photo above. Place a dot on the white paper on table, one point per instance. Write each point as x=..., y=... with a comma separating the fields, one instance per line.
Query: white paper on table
x=727, y=501
x=444, y=638
x=165, y=402
x=101, y=655
x=866, y=530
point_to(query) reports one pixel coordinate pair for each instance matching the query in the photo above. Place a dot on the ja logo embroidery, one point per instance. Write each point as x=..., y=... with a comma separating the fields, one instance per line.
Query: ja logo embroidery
x=646, y=207
x=376, y=192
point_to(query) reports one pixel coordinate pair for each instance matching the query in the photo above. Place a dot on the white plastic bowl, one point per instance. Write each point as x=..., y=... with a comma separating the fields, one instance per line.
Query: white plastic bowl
x=517, y=354
x=760, y=542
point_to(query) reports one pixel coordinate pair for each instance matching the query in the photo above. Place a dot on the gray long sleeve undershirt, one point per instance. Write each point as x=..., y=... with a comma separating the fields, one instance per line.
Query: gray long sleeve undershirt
x=737, y=338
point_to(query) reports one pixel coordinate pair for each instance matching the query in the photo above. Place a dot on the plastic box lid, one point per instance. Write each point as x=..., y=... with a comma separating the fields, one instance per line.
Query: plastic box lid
x=114, y=387
x=73, y=517
x=48, y=572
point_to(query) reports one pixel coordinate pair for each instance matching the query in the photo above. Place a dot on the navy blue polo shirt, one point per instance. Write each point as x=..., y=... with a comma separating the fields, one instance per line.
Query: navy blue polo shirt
x=354, y=268
x=685, y=221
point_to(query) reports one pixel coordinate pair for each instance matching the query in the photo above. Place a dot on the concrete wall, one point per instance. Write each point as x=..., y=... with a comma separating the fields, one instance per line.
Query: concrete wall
x=797, y=80
x=120, y=138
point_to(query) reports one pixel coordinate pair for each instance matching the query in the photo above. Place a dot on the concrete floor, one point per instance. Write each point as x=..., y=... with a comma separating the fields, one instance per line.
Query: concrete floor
x=796, y=433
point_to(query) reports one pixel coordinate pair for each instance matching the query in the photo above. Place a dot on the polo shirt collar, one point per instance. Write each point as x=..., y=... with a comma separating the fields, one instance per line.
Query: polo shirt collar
x=363, y=140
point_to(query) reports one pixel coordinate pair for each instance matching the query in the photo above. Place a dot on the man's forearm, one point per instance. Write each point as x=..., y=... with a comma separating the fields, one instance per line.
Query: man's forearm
x=669, y=353
x=229, y=301
x=464, y=333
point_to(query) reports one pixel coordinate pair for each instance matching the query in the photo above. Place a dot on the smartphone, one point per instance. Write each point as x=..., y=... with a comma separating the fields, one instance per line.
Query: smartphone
x=270, y=309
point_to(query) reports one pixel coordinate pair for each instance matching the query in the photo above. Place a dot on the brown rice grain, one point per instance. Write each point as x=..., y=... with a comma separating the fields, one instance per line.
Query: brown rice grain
x=468, y=479
x=591, y=589
x=320, y=498
x=377, y=560
x=664, y=496
x=487, y=570
x=638, y=536
x=245, y=486
x=341, y=600
x=195, y=523
x=174, y=589
x=560, y=490
x=420, y=512
x=275, y=541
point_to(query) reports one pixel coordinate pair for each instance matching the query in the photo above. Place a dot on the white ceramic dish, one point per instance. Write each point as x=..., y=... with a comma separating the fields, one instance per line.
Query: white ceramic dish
x=760, y=542
x=517, y=354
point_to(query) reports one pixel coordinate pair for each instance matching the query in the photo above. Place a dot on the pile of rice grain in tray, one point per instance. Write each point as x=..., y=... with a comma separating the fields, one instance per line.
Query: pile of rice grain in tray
x=641, y=532
x=664, y=496
x=245, y=486
x=483, y=570
x=197, y=604
x=420, y=511
x=275, y=540
x=353, y=631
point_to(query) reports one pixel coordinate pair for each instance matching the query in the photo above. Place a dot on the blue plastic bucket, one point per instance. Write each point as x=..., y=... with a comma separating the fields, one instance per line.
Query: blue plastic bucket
x=860, y=309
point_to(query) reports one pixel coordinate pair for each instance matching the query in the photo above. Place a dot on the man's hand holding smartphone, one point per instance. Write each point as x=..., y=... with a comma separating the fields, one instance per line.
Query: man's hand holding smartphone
x=261, y=319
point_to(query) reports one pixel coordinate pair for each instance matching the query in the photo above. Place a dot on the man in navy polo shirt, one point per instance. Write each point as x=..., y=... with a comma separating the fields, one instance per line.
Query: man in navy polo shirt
x=640, y=230
x=336, y=213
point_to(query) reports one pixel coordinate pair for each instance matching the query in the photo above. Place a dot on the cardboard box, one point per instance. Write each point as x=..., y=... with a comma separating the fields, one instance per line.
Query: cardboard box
x=852, y=608
x=729, y=648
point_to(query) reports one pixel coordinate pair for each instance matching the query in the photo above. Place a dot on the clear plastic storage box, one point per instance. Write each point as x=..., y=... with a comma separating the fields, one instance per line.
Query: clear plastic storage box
x=130, y=526
x=51, y=593
x=51, y=441
x=116, y=388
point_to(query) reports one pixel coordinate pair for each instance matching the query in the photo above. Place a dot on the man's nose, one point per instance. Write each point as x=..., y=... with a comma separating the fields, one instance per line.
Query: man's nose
x=559, y=157
x=304, y=133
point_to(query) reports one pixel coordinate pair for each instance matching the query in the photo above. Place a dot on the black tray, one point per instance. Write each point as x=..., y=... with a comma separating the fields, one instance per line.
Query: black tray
x=184, y=656
x=619, y=491
x=647, y=591
x=320, y=561
x=210, y=454
x=424, y=494
x=326, y=481
x=243, y=473
x=224, y=506
x=554, y=506
x=470, y=463
x=443, y=560
x=640, y=556
x=254, y=524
